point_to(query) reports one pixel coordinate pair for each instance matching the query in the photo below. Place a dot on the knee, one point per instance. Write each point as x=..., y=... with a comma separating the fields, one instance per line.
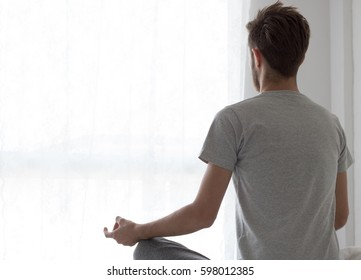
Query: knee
x=143, y=249
x=138, y=250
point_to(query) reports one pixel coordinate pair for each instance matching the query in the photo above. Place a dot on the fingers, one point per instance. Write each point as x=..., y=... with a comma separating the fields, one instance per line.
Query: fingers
x=111, y=234
x=123, y=232
x=117, y=222
x=116, y=225
x=107, y=233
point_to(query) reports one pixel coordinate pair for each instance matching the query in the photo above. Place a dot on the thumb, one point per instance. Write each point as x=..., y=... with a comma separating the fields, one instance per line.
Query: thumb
x=107, y=234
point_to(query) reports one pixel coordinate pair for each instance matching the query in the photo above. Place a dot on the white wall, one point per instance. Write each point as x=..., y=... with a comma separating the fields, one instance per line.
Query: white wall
x=314, y=74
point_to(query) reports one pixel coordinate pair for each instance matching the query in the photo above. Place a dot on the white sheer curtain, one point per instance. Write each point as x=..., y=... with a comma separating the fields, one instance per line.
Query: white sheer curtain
x=342, y=93
x=104, y=106
x=345, y=64
x=356, y=28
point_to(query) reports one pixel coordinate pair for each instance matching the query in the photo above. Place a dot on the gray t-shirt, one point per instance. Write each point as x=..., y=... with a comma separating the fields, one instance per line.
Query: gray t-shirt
x=285, y=152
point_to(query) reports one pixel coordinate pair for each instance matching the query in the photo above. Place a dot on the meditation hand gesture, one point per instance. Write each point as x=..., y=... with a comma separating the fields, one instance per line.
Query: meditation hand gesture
x=124, y=232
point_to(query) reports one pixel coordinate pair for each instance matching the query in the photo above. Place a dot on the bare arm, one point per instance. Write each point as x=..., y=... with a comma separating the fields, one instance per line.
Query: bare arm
x=197, y=215
x=341, y=200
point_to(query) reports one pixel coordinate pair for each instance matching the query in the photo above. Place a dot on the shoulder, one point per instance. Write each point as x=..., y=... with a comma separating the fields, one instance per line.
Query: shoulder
x=238, y=108
x=226, y=114
x=235, y=114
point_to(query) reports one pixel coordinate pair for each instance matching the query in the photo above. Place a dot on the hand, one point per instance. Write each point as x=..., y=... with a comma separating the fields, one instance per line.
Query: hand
x=124, y=232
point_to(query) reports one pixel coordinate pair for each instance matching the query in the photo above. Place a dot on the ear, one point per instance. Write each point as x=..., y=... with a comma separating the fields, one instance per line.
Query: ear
x=257, y=56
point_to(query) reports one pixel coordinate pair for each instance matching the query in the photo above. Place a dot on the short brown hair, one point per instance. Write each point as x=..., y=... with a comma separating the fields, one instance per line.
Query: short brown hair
x=282, y=35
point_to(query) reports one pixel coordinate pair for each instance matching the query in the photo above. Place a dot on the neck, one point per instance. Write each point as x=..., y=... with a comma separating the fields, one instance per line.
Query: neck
x=280, y=84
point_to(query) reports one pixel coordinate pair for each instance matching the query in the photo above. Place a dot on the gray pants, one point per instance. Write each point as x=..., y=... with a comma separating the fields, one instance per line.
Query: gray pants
x=163, y=249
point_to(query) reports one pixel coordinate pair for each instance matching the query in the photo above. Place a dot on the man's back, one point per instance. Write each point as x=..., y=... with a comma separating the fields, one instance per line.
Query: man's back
x=285, y=152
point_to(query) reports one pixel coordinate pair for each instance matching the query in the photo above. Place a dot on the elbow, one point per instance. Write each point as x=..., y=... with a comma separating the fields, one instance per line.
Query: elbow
x=208, y=222
x=205, y=218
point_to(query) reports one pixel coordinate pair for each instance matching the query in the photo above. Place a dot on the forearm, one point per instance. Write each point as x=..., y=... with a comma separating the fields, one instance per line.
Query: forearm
x=186, y=220
x=342, y=210
x=340, y=220
x=201, y=213
x=197, y=215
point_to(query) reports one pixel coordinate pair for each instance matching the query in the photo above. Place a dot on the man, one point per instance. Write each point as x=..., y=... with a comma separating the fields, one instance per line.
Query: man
x=287, y=155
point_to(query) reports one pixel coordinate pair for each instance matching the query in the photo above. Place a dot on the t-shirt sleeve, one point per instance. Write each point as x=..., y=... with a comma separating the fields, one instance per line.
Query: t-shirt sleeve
x=345, y=159
x=221, y=144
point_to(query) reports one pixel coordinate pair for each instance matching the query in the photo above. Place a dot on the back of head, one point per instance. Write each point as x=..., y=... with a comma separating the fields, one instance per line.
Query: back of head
x=282, y=35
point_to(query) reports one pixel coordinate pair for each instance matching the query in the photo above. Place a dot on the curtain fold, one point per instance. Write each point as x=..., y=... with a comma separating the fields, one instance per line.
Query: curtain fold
x=356, y=31
x=342, y=95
